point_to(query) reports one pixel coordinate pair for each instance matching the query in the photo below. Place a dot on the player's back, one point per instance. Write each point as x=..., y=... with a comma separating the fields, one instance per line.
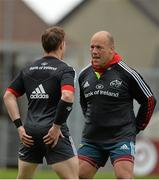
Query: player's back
x=42, y=82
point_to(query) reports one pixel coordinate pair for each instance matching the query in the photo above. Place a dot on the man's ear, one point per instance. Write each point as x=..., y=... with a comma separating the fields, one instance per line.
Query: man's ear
x=112, y=49
x=61, y=45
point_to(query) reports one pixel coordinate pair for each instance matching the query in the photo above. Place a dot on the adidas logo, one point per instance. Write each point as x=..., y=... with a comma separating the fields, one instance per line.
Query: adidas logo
x=86, y=84
x=124, y=147
x=69, y=108
x=39, y=93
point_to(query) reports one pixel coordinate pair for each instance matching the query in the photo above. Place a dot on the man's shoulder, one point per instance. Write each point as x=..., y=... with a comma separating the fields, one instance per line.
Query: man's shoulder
x=65, y=67
x=85, y=70
x=35, y=62
x=127, y=70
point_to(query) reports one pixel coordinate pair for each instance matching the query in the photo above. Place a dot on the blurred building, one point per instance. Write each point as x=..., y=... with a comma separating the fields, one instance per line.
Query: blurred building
x=133, y=23
x=20, y=30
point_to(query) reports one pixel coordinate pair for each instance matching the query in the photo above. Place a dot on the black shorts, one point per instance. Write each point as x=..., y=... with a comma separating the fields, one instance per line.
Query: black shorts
x=64, y=150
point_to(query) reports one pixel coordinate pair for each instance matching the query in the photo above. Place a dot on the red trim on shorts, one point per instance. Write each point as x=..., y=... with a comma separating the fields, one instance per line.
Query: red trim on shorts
x=124, y=158
x=68, y=87
x=89, y=160
x=13, y=92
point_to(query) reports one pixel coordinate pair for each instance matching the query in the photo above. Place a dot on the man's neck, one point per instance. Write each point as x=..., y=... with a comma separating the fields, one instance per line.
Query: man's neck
x=55, y=54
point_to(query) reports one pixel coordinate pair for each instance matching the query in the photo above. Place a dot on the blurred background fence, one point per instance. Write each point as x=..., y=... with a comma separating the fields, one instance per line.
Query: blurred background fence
x=135, y=26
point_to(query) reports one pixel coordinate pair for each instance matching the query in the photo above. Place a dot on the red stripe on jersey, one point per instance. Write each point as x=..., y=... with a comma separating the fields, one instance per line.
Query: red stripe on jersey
x=149, y=111
x=13, y=92
x=68, y=87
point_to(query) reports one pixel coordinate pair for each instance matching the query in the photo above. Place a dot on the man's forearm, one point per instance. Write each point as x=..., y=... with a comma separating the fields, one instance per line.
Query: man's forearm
x=12, y=106
x=145, y=113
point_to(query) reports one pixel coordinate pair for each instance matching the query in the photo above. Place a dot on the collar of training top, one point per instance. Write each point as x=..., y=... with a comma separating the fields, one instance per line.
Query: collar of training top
x=116, y=58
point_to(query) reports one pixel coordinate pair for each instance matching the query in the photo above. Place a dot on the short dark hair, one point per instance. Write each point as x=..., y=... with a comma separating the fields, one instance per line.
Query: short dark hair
x=52, y=38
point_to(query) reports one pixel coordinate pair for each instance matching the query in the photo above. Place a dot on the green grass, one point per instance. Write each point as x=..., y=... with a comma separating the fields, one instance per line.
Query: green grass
x=48, y=174
x=45, y=174
x=40, y=174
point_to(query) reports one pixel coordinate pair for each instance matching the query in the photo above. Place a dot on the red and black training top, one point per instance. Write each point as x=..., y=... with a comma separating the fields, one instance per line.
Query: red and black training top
x=43, y=82
x=107, y=102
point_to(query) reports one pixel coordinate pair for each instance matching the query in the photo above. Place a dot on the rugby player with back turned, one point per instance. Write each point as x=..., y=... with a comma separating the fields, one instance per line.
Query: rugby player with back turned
x=49, y=86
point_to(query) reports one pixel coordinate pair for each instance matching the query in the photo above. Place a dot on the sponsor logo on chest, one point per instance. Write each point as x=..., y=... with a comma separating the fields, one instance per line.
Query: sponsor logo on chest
x=99, y=86
x=115, y=83
x=101, y=89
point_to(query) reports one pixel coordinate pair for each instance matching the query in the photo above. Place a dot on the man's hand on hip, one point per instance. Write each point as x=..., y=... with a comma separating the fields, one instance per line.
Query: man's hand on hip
x=24, y=138
x=53, y=135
